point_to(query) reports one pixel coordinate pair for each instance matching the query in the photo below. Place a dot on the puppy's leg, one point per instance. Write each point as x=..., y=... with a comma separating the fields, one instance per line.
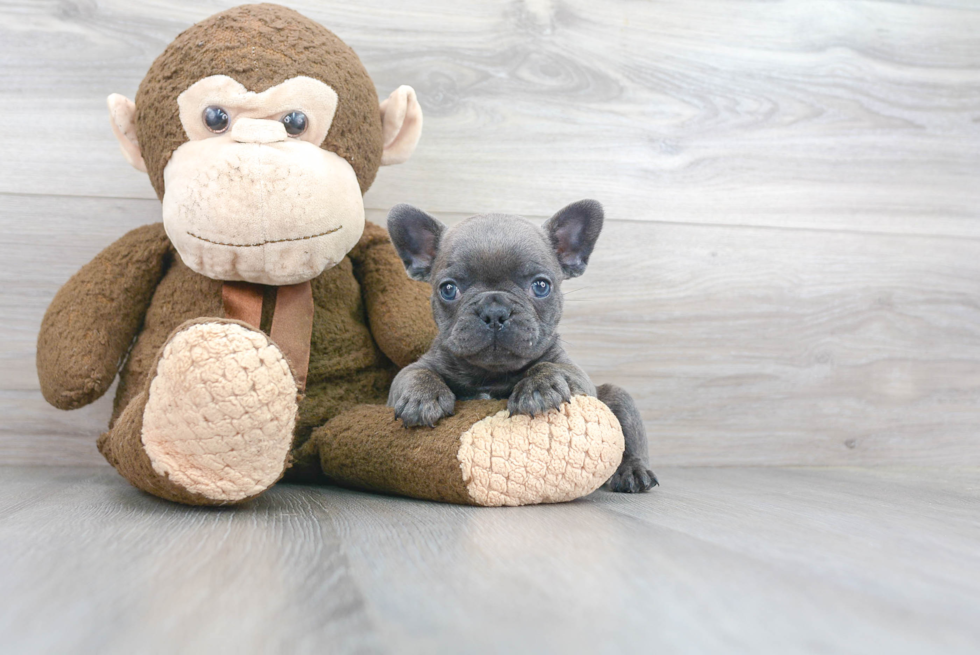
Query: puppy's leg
x=633, y=474
x=420, y=397
x=546, y=386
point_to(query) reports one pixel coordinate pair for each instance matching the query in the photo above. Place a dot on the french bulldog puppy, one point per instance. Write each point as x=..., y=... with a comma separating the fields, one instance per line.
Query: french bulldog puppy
x=497, y=301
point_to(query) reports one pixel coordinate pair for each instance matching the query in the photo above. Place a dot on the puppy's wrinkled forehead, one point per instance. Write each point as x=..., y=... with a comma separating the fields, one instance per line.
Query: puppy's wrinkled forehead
x=496, y=247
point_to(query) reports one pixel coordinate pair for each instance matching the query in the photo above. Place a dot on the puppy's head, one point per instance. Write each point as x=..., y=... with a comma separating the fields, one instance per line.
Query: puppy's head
x=496, y=278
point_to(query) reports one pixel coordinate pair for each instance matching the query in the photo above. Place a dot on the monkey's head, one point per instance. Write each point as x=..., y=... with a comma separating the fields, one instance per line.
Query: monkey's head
x=260, y=131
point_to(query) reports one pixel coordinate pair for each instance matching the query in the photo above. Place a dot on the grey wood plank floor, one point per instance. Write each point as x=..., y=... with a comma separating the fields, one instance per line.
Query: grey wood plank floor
x=760, y=560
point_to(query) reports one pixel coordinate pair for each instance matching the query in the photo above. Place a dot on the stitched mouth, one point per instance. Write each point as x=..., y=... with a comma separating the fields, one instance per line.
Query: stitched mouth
x=263, y=243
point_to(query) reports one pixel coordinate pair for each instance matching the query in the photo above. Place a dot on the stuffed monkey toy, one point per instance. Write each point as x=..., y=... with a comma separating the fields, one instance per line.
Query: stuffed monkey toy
x=256, y=330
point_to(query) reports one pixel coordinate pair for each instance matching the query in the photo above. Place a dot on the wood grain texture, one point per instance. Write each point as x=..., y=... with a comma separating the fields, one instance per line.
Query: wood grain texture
x=715, y=560
x=830, y=114
x=742, y=345
x=789, y=275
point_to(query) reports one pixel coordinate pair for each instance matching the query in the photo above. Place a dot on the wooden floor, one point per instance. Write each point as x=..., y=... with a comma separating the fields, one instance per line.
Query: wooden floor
x=753, y=560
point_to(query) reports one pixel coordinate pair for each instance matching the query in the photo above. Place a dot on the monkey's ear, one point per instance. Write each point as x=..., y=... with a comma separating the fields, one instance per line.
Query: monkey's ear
x=573, y=232
x=122, y=115
x=416, y=236
x=401, y=119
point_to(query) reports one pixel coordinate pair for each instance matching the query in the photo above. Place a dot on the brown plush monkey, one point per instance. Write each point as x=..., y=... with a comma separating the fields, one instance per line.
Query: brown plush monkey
x=262, y=322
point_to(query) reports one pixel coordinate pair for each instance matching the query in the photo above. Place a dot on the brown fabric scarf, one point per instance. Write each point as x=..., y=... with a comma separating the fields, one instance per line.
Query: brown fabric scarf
x=292, y=319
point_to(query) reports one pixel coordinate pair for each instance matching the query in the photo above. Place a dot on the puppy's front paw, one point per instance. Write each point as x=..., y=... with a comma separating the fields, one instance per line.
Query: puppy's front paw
x=424, y=405
x=632, y=477
x=538, y=393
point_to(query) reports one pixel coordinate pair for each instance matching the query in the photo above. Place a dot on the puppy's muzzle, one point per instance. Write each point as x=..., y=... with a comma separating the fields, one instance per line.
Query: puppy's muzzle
x=494, y=311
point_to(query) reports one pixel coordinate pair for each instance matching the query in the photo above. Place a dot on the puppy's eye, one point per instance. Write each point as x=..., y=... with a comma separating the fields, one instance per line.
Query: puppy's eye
x=295, y=122
x=448, y=291
x=541, y=288
x=216, y=119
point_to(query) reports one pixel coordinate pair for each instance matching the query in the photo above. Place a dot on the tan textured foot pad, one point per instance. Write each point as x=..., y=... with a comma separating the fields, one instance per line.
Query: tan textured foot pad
x=551, y=458
x=220, y=416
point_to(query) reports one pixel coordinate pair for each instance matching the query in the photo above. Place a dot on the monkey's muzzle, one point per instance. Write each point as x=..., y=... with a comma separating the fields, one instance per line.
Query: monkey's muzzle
x=270, y=212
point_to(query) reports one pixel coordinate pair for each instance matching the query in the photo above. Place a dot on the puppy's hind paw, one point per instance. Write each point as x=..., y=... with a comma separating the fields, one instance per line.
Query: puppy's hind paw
x=632, y=477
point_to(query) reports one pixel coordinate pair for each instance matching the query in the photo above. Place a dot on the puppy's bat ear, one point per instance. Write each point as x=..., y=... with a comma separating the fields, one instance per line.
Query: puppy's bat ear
x=416, y=236
x=573, y=232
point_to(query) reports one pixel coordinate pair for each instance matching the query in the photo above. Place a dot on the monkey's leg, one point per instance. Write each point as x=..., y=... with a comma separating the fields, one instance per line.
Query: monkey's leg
x=479, y=456
x=215, y=422
x=634, y=474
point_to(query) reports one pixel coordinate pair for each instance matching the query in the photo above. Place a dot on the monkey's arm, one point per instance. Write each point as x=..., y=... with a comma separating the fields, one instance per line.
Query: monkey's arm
x=90, y=324
x=397, y=307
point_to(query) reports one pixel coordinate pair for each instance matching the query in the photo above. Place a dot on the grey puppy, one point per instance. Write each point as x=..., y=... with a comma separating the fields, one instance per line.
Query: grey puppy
x=496, y=300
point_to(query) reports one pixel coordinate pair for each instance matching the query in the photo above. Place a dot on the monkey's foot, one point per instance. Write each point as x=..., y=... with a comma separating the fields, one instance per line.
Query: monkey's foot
x=481, y=455
x=553, y=457
x=221, y=410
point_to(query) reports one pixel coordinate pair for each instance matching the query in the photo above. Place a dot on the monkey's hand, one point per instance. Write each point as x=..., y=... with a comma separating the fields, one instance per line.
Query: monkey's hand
x=546, y=386
x=420, y=397
x=90, y=325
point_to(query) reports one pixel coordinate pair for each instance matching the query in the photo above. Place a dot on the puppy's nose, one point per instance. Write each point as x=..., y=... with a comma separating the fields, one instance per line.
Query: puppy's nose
x=495, y=314
x=253, y=130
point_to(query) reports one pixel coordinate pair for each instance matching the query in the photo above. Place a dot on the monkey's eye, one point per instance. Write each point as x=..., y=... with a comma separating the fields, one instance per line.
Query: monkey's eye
x=541, y=288
x=448, y=291
x=295, y=122
x=216, y=119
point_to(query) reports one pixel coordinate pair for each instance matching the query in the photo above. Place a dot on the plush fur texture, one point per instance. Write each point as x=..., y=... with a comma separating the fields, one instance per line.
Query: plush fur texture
x=102, y=307
x=417, y=462
x=299, y=205
x=260, y=46
x=479, y=456
x=357, y=441
x=253, y=203
x=316, y=100
x=553, y=457
x=221, y=410
x=367, y=293
x=185, y=370
x=122, y=446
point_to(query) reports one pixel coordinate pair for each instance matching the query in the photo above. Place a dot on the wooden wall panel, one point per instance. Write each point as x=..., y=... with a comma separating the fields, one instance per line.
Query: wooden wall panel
x=742, y=345
x=790, y=272
x=852, y=115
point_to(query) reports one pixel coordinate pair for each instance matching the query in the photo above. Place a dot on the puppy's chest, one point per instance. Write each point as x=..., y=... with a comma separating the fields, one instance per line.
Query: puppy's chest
x=481, y=388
